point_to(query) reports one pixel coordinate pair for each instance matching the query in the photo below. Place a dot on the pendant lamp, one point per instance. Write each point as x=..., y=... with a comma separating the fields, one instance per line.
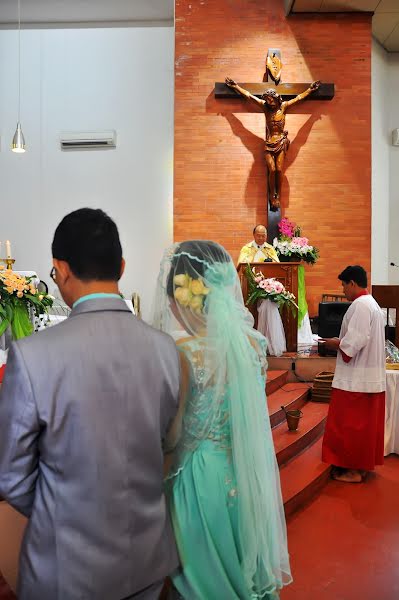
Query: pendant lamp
x=18, y=141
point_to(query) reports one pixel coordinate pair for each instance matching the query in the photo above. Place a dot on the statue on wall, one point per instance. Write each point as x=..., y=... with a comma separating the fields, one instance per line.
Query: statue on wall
x=276, y=141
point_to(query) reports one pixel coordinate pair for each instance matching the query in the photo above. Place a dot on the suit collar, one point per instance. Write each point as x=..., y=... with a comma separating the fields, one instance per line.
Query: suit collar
x=100, y=305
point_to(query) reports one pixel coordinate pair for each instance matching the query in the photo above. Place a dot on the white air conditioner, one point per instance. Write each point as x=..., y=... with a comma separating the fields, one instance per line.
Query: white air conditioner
x=87, y=140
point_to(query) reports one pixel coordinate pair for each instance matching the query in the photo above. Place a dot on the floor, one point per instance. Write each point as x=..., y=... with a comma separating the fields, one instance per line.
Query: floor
x=345, y=544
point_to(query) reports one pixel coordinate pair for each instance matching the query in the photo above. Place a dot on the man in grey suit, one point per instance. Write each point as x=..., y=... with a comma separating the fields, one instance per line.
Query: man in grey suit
x=84, y=407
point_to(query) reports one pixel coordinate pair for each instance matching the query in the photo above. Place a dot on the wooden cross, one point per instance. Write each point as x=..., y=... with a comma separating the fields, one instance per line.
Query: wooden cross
x=287, y=91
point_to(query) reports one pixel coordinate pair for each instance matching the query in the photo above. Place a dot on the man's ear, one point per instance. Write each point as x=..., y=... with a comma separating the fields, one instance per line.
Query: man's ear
x=123, y=264
x=62, y=270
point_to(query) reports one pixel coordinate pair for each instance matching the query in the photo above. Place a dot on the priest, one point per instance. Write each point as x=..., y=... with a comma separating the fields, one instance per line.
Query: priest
x=258, y=250
x=354, y=437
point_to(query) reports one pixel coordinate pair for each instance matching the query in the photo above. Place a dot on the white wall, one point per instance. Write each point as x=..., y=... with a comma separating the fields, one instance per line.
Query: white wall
x=89, y=79
x=380, y=167
x=393, y=123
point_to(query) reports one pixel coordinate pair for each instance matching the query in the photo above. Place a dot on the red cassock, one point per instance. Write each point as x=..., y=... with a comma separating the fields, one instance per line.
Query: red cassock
x=354, y=435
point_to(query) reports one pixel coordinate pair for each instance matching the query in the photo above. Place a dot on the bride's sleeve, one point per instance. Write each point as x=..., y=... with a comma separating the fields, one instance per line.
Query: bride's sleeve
x=174, y=432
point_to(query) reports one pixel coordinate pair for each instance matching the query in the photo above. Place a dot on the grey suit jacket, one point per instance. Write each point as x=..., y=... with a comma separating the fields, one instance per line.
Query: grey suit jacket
x=84, y=407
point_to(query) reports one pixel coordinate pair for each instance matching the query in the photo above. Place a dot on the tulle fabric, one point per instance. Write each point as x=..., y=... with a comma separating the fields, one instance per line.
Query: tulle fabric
x=271, y=326
x=233, y=365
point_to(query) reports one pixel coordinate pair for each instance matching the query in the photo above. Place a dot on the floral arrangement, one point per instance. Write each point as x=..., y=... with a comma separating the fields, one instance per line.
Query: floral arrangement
x=291, y=245
x=190, y=292
x=19, y=298
x=267, y=288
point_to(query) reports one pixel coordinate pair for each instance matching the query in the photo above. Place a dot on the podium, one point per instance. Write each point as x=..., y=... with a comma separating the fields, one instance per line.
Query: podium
x=287, y=273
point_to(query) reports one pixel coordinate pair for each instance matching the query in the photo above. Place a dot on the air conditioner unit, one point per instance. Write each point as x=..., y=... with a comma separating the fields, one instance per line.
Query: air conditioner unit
x=87, y=140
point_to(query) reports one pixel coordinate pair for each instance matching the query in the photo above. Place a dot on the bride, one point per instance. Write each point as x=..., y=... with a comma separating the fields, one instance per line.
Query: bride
x=223, y=484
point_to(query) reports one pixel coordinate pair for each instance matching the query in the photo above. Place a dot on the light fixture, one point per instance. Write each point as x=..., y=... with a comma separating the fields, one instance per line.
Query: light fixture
x=18, y=141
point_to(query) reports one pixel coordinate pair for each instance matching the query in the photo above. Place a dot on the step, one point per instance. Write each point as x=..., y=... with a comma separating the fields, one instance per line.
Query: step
x=291, y=396
x=303, y=477
x=311, y=426
x=274, y=380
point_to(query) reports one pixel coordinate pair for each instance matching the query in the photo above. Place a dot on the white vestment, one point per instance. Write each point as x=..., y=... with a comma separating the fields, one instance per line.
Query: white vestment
x=362, y=337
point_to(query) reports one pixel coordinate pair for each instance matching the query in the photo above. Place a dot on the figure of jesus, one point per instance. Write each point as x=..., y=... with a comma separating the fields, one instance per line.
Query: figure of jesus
x=276, y=141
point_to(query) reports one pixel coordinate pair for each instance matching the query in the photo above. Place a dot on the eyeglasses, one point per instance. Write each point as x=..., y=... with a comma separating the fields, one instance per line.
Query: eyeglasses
x=53, y=274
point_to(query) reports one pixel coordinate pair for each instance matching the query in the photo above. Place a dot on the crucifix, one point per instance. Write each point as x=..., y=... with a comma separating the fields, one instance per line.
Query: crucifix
x=274, y=100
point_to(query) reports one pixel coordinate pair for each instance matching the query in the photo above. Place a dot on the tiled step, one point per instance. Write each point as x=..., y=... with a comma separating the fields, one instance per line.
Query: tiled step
x=311, y=426
x=291, y=396
x=275, y=380
x=303, y=477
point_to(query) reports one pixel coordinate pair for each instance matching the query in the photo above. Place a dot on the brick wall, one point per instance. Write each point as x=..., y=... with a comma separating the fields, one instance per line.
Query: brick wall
x=220, y=174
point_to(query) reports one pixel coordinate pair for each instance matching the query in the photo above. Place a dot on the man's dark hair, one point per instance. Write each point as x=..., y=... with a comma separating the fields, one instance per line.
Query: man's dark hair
x=88, y=240
x=256, y=227
x=354, y=273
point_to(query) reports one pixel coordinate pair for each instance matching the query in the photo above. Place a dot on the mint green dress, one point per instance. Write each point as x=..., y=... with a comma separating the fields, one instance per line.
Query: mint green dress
x=204, y=499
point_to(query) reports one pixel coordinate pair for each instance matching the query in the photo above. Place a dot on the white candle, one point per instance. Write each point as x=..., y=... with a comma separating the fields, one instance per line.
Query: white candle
x=8, y=249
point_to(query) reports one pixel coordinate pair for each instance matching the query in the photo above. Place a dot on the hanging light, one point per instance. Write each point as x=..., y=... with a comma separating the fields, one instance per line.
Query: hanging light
x=18, y=141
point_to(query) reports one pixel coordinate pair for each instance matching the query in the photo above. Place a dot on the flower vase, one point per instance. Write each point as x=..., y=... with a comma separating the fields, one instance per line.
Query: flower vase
x=271, y=326
x=286, y=258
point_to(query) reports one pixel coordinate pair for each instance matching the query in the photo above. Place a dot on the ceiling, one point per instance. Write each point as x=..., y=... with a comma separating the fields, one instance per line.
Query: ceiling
x=385, y=18
x=72, y=12
x=161, y=12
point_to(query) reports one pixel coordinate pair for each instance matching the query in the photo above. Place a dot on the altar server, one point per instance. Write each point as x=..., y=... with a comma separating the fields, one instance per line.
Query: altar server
x=354, y=436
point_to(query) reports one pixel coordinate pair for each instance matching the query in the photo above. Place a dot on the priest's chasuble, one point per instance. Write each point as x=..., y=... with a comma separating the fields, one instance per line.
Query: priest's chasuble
x=354, y=435
x=254, y=252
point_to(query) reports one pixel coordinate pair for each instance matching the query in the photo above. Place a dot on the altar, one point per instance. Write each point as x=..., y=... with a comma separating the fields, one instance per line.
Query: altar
x=287, y=274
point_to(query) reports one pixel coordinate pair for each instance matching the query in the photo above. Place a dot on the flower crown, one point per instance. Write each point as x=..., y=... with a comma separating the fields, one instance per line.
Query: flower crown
x=190, y=292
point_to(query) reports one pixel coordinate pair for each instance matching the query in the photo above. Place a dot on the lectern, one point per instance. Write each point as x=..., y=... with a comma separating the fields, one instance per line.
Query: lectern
x=287, y=273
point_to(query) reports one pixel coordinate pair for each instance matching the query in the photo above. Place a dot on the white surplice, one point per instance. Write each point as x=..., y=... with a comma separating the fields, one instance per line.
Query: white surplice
x=362, y=337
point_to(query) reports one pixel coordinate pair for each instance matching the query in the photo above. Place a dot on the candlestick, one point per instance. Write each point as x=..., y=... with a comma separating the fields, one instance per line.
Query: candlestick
x=8, y=249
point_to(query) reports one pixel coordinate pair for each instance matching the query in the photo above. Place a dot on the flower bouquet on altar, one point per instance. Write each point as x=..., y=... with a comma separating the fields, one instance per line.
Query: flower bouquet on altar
x=270, y=296
x=19, y=302
x=267, y=288
x=290, y=245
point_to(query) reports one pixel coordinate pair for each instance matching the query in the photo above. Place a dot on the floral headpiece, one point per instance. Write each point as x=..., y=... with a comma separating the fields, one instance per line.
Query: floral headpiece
x=190, y=292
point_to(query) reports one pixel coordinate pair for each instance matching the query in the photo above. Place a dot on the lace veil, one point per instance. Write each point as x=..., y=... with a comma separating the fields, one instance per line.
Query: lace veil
x=199, y=295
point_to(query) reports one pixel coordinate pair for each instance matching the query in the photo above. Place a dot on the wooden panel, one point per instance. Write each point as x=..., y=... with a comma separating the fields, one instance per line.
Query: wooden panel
x=287, y=273
x=387, y=296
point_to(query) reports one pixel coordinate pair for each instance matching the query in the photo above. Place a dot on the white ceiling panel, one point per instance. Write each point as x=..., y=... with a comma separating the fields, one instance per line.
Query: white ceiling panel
x=83, y=11
x=388, y=6
x=392, y=42
x=349, y=5
x=308, y=6
x=383, y=26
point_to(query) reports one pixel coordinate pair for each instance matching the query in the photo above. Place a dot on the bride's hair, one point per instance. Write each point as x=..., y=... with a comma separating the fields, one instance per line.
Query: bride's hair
x=193, y=258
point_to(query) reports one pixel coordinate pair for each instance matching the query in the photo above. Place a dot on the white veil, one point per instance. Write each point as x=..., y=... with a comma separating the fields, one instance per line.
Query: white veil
x=199, y=294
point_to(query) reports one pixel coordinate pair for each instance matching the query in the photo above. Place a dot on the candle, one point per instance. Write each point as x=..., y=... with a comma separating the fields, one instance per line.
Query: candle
x=8, y=249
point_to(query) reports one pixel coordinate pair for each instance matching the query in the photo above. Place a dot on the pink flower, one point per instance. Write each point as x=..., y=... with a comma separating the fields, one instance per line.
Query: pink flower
x=300, y=241
x=286, y=227
x=258, y=279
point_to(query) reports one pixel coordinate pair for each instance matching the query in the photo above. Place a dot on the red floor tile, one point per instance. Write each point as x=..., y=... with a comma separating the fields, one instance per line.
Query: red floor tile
x=345, y=544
